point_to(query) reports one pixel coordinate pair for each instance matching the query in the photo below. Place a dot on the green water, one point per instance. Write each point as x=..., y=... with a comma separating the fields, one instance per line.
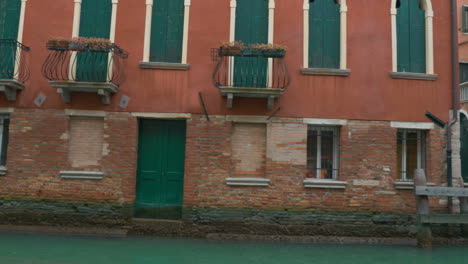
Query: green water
x=31, y=249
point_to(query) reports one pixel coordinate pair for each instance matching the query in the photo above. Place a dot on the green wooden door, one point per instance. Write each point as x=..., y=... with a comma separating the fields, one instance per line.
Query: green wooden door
x=411, y=37
x=251, y=28
x=95, y=23
x=161, y=158
x=324, y=34
x=464, y=146
x=167, y=29
x=9, y=22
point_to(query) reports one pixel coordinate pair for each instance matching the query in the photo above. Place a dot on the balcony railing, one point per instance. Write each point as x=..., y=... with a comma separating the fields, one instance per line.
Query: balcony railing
x=87, y=70
x=464, y=92
x=14, y=68
x=250, y=73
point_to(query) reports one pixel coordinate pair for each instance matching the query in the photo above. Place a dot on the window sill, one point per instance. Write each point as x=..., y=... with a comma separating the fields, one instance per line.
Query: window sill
x=82, y=175
x=164, y=66
x=259, y=182
x=324, y=71
x=325, y=184
x=3, y=170
x=408, y=185
x=414, y=76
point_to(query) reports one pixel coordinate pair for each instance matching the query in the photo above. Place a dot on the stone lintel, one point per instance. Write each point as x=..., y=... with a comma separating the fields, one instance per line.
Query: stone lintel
x=325, y=184
x=85, y=113
x=323, y=71
x=82, y=175
x=3, y=170
x=164, y=66
x=247, y=181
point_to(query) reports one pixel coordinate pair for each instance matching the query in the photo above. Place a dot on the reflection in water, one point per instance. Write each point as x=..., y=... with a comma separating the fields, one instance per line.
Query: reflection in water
x=73, y=250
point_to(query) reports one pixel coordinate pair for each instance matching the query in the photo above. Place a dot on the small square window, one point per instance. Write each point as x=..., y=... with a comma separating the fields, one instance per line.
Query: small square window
x=465, y=19
x=322, y=152
x=411, y=152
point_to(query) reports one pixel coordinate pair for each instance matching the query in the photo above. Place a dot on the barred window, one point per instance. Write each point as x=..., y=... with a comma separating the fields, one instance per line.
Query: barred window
x=322, y=152
x=4, y=125
x=411, y=152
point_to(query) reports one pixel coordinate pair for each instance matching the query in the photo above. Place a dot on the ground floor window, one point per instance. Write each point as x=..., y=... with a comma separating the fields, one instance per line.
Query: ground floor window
x=411, y=152
x=4, y=125
x=322, y=152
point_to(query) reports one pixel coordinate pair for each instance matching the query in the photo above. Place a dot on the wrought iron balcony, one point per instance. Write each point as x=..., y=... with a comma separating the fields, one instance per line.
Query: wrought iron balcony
x=250, y=73
x=14, y=68
x=95, y=71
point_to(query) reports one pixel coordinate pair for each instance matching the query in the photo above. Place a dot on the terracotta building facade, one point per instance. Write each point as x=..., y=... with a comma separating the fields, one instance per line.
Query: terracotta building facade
x=160, y=122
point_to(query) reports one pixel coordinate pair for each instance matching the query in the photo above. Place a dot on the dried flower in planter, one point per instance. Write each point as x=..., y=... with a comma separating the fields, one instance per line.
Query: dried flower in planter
x=99, y=44
x=58, y=44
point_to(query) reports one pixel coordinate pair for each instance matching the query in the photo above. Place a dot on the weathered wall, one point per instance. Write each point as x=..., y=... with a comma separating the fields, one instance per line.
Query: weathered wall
x=38, y=150
x=369, y=93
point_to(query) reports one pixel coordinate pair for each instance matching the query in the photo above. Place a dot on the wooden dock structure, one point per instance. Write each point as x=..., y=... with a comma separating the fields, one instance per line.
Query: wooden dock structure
x=425, y=218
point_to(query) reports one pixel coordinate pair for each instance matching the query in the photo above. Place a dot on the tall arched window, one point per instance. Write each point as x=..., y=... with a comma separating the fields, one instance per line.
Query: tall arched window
x=325, y=34
x=411, y=36
x=11, y=28
x=412, y=41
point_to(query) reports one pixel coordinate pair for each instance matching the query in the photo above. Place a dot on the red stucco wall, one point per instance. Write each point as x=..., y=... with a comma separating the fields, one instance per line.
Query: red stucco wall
x=369, y=93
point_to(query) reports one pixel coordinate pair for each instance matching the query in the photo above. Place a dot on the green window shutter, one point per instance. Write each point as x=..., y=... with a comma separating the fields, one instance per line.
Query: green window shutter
x=167, y=30
x=95, y=22
x=324, y=34
x=9, y=23
x=411, y=37
x=251, y=28
x=464, y=19
x=9, y=18
x=95, y=18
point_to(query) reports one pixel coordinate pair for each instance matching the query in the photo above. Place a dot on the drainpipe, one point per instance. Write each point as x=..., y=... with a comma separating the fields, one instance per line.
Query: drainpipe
x=455, y=101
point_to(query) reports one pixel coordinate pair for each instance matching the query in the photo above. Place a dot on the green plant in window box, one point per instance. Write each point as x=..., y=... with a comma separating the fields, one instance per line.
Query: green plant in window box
x=58, y=44
x=269, y=50
x=232, y=48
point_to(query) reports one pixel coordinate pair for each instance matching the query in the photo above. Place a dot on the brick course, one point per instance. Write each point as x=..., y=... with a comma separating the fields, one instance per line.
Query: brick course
x=39, y=144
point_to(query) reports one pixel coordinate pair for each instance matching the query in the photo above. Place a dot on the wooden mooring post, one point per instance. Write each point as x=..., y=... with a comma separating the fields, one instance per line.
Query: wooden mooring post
x=425, y=219
x=424, y=235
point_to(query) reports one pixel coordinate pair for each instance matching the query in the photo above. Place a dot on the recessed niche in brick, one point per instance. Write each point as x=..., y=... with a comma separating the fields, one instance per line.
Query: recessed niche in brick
x=86, y=139
x=248, y=150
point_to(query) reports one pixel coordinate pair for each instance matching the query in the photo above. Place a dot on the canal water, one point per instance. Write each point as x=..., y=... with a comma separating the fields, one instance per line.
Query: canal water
x=32, y=249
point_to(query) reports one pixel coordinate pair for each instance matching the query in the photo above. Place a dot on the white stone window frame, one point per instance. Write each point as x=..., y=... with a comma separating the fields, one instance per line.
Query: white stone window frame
x=421, y=151
x=429, y=14
x=146, y=63
x=336, y=150
x=343, y=34
x=20, y=36
x=76, y=33
x=271, y=33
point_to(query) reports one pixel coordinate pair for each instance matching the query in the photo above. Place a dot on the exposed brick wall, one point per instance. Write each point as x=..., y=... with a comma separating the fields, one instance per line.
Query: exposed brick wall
x=248, y=144
x=368, y=163
x=40, y=140
x=38, y=151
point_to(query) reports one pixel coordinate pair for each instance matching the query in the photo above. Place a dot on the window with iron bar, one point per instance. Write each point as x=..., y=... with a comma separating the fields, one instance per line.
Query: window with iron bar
x=4, y=126
x=411, y=152
x=323, y=152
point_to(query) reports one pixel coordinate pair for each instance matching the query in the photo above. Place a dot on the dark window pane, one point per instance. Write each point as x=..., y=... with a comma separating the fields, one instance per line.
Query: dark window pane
x=311, y=153
x=327, y=155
